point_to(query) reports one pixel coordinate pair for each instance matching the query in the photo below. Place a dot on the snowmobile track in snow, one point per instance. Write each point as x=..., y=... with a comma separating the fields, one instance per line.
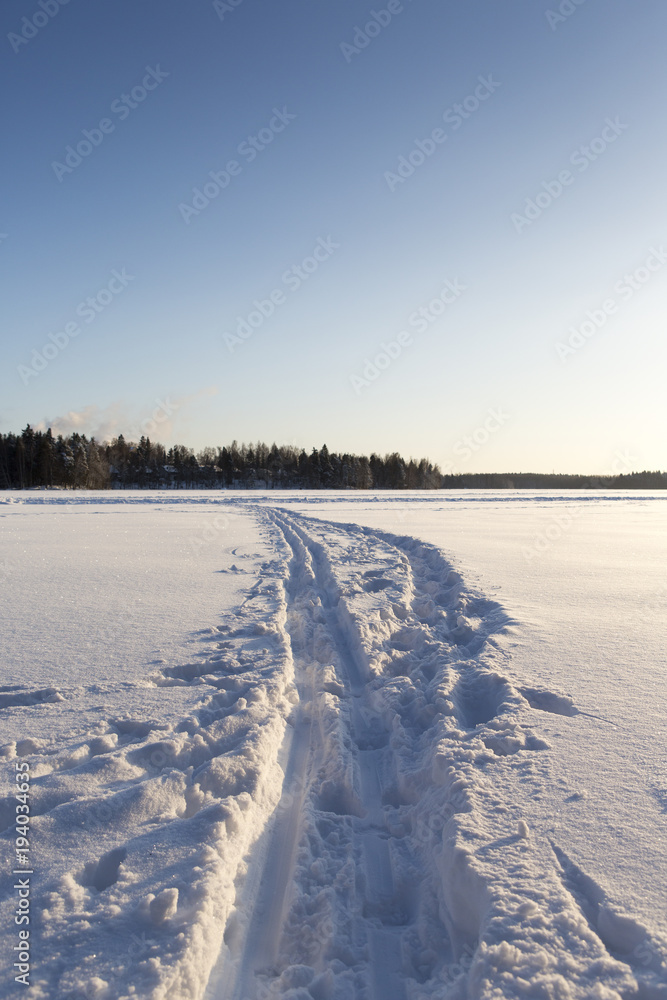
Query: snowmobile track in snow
x=375, y=878
x=312, y=624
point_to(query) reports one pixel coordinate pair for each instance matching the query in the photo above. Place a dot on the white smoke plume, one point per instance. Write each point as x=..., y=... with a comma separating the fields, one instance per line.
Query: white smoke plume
x=104, y=423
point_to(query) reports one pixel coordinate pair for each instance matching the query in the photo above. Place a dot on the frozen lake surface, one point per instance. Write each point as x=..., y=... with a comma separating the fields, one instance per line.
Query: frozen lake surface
x=385, y=745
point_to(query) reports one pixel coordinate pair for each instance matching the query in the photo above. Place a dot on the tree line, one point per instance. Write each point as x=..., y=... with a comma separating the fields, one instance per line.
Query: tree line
x=35, y=459
x=39, y=459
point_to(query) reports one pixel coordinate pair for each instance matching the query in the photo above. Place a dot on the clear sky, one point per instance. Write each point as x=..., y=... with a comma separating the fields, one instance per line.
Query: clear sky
x=431, y=227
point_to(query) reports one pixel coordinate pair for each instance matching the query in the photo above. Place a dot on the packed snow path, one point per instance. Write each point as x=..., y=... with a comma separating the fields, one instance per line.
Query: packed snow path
x=321, y=802
x=393, y=868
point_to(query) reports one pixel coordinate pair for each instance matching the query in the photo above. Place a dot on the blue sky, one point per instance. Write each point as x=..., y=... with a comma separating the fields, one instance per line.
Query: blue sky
x=305, y=296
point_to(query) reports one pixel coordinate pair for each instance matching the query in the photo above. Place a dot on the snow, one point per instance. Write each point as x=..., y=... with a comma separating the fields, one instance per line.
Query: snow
x=593, y=611
x=337, y=745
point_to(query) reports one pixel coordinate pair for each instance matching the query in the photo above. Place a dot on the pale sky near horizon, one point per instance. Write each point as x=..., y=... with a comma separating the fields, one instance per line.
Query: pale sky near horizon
x=413, y=226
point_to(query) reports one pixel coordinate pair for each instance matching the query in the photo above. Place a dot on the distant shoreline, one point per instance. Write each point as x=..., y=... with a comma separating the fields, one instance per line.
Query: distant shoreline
x=38, y=459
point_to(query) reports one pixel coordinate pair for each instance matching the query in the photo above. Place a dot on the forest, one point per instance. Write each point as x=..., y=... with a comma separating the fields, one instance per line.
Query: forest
x=37, y=459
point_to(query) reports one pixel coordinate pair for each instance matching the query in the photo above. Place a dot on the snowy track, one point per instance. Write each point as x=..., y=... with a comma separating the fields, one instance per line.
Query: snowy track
x=395, y=869
x=333, y=814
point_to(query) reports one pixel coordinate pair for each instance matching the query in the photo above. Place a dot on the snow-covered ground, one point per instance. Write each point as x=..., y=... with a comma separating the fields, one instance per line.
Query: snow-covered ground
x=327, y=746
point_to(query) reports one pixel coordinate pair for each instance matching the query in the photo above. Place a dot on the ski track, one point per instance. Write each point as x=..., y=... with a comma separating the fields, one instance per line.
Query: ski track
x=336, y=800
x=398, y=888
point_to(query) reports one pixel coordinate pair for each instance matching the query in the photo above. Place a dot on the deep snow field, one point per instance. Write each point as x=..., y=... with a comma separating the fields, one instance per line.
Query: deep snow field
x=325, y=746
